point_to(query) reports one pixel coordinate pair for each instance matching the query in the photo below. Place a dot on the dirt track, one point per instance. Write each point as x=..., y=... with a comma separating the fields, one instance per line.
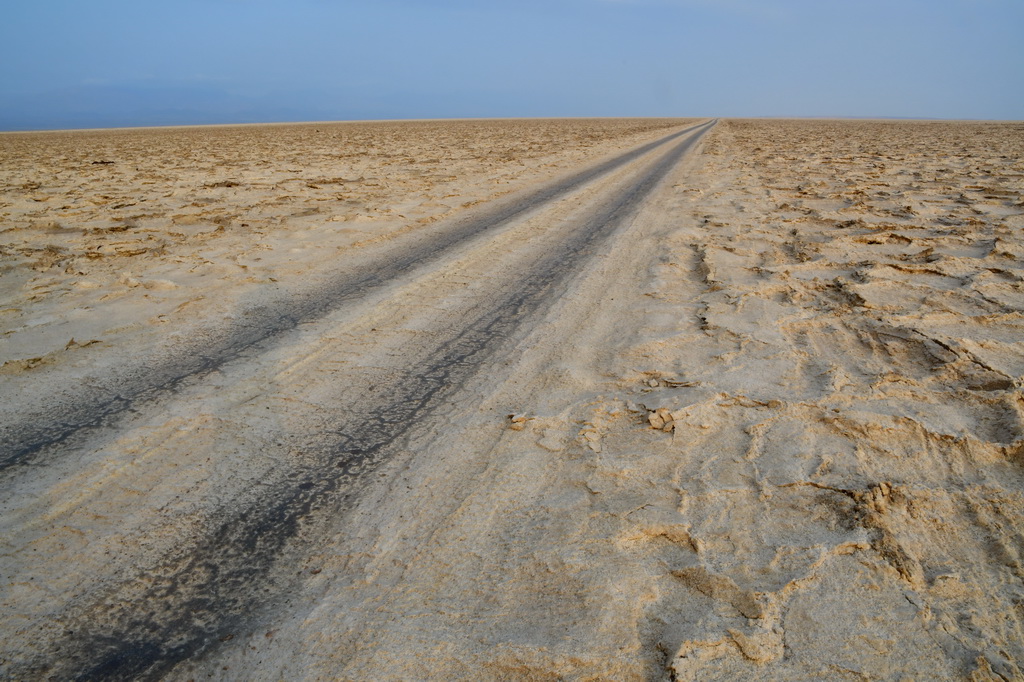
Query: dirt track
x=331, y=383
x=747, y=410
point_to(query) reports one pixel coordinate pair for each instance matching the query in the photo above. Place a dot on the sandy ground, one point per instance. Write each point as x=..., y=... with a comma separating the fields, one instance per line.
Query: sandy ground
x=770, y=427
x=113, y=230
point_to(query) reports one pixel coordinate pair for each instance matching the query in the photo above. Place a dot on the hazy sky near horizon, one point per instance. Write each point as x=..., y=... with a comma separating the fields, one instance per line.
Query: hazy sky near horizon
x=68, y=63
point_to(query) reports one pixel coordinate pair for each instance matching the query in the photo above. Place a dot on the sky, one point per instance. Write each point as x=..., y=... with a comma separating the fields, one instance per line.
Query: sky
x=102, y=63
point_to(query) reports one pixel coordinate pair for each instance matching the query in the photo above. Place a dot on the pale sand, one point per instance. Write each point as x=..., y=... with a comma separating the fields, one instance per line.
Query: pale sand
x=823, y=319
x=107, y=230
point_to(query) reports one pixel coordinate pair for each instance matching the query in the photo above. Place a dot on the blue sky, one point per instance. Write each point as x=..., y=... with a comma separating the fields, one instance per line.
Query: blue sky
x=67, y=63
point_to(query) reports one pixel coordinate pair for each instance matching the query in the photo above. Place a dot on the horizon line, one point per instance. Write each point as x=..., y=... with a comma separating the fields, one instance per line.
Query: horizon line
x=499, y=118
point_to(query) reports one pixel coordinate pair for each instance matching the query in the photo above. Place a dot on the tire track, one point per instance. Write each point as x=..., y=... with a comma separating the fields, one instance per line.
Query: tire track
x=67, y=419
x=205, y=589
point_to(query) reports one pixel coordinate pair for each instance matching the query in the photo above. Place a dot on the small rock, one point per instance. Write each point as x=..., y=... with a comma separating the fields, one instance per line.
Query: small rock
x=660, y=419
x=517, y=422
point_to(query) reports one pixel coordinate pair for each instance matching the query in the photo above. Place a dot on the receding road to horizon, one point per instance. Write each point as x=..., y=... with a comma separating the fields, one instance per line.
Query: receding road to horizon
x=214, y=581
x=600, y=398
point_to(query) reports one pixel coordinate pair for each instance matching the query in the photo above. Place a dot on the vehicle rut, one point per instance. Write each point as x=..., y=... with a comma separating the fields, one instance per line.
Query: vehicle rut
x=69, y=417
x=210, y=586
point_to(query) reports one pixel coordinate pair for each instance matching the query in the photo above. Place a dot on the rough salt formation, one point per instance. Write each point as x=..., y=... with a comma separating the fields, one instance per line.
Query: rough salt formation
x=845, y=495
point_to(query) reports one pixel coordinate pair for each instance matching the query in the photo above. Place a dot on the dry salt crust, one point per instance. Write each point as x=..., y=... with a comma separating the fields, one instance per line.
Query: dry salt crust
x=775, y=431
x=104, y=233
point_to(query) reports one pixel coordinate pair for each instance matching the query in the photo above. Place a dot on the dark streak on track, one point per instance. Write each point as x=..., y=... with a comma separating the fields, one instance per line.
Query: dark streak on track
x=212, y=586
x=71, y=417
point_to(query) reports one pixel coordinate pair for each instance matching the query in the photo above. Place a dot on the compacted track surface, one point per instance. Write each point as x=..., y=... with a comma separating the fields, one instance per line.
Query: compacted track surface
x=192, y=482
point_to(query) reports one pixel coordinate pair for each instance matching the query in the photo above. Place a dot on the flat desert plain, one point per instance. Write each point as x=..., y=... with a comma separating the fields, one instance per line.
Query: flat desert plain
x=589, y=399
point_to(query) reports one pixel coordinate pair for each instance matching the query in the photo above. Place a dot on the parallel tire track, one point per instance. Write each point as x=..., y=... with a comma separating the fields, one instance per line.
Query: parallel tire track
x=69, y=417
x=207, y=588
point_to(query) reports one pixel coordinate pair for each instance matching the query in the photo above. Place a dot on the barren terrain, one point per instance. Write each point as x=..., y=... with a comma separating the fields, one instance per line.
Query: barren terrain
x=586, y=399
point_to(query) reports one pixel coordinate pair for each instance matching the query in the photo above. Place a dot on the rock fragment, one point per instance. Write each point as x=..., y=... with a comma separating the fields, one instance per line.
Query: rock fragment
x=517, y=422
x=661, y=419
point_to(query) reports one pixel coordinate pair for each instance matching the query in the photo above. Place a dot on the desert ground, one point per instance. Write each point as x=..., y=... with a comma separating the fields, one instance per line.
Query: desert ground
x=581, y=399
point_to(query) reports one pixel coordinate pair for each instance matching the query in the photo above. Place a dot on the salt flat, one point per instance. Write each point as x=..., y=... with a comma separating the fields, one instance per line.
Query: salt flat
x=746, y=404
